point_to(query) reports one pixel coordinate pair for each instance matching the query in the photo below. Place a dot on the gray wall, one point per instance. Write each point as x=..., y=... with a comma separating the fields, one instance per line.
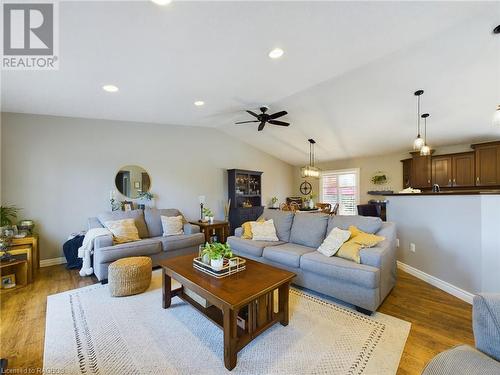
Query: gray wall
x=457, y=238
x=61, y=170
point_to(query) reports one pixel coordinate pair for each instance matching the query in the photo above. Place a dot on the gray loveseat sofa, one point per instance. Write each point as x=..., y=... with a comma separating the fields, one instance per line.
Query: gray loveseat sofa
x=464, y=360
x=364, y=285
x=152, y=243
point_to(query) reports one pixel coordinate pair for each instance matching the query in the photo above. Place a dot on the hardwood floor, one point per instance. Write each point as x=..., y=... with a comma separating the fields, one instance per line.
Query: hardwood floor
x=439, y=320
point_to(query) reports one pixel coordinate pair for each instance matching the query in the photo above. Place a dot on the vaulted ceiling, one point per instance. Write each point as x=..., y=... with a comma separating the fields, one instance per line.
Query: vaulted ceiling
x=347, y=76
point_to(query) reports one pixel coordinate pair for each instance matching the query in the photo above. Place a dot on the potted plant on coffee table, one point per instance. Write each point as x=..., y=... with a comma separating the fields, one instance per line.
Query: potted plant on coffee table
x=217, y=252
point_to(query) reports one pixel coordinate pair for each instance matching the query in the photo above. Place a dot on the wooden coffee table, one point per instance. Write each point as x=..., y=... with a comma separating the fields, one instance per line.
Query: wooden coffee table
x=248, y=294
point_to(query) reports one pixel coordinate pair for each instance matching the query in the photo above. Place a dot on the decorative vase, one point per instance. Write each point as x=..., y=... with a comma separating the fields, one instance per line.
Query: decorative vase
x=205, y=258
x=275, y=205
x=211, y=219
x=217, y=263
x=311, y=204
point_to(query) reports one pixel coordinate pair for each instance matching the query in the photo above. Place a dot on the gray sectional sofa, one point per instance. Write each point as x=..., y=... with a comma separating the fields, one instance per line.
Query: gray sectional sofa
x=152, y=243
x=364, y=285
x=485, y=359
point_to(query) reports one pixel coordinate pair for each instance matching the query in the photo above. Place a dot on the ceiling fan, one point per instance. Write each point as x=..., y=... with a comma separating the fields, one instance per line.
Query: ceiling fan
x=264, y=118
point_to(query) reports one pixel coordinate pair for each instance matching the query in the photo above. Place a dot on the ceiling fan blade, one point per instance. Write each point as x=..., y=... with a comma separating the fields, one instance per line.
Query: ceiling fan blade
x=280, y=123
x=246, y=122
x=253, y=113
x=278, y=114
x=261, y=126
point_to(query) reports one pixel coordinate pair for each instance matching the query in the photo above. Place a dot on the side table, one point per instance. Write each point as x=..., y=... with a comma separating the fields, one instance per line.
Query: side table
x=28, y=252
x=222, y=227
x=29, y=241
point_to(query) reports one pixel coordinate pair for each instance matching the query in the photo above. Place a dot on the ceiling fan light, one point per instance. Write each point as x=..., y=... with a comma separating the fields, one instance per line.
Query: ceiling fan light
x=496, y=117
x=425, y=150
x=418, y=143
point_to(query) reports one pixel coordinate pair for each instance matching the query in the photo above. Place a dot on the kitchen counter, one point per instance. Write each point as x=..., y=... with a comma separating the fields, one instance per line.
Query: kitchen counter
x=448, y=192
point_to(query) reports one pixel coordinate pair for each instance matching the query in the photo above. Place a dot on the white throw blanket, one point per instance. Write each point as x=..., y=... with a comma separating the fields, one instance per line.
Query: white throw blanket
x=87, y=249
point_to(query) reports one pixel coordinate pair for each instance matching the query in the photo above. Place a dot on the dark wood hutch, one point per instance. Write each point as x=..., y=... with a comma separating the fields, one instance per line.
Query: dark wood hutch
x=245, y=192
x=477, y=170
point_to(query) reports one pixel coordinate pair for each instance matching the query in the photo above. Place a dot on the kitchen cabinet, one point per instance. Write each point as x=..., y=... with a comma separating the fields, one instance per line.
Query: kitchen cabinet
x=407, y=181
x=463, y=169
x=487, y=157
x=421, y=171
x=442, y=170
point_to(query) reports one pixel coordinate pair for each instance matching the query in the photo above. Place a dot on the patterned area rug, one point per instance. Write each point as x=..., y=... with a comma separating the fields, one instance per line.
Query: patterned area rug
x=89, y=332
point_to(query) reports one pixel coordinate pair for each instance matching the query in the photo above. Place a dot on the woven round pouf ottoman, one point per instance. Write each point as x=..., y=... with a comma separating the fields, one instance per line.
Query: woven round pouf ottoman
x=129, y=276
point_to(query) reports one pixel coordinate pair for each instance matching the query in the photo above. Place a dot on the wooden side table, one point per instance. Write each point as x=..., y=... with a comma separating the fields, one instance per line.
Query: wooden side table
x=28, y=252
x=19, y=268
x=29, y=241
x=218, y=226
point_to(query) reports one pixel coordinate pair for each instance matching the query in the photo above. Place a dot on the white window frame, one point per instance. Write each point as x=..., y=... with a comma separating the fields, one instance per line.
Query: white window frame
x=356, y=171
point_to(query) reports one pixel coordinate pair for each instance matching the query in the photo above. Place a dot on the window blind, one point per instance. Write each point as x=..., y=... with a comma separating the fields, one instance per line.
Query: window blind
x=341, y=187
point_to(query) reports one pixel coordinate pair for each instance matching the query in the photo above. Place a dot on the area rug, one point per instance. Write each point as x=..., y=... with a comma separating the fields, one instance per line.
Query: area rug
x=89, y=332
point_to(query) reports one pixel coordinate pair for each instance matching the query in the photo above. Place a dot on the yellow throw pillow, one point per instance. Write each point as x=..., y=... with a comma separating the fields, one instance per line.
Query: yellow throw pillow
x=247, y=229
x=354, y=231
x=350, y=251
x=123, y=230
x=358, y=240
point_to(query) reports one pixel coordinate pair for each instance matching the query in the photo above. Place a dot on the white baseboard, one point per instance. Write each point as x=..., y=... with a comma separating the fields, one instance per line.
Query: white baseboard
x=438, y=283
x=52, y=261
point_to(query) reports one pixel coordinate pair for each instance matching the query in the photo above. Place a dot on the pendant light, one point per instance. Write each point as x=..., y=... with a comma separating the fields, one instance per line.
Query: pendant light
x=418, y=142
x=496, y=116
x=310, y=170
x=425, y=150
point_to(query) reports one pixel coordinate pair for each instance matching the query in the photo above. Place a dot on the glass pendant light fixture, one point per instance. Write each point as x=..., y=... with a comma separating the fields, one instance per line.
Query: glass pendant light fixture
x=310, y=170
x=418, y=142
x=496, y=116
x=425, y=150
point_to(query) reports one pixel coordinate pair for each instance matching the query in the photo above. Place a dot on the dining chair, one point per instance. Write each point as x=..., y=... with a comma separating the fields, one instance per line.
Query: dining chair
x=335, y=210
x=324, y=207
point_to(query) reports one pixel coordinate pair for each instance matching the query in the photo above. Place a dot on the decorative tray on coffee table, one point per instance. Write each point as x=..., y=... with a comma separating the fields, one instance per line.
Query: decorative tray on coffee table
x=226, y=270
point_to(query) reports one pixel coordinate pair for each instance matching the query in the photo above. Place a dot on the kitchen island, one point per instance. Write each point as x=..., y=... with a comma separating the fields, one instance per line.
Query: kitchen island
x=451, y=238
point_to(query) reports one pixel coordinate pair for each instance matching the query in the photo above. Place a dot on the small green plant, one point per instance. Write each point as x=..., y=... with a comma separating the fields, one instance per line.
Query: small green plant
x=217, y=250
x=8, y=215
x=274, y=200
x=379, y=178
x=207, y=212
x=145, y=195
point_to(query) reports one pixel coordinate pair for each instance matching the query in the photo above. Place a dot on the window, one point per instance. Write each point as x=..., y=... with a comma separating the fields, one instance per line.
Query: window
x=341, y=187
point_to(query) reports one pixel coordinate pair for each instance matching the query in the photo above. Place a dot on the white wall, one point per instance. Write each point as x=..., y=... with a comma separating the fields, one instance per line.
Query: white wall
x=60, y=170
x=457, y=238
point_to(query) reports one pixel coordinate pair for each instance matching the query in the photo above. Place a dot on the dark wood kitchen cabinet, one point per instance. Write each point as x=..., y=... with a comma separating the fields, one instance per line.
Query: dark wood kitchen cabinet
x=421, y=171
x=487, y=156
x=442, y=170
x=463, y=169
x=407, y=182
x=472, y=169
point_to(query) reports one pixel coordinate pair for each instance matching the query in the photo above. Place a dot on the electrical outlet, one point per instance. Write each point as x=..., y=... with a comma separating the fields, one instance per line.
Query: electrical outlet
x=412, y=247
x=397, y=242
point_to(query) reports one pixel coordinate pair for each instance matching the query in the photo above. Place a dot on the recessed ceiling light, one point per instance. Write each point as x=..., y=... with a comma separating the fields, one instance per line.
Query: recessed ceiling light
x=110, y=88
x=199, y=103
x=276, y=53
x=162, y=2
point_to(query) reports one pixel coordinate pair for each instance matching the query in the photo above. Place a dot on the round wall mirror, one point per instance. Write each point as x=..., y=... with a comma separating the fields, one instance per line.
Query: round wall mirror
x=132, y=180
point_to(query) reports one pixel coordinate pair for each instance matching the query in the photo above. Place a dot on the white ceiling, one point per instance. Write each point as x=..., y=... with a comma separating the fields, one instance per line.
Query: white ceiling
x=346, y=78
